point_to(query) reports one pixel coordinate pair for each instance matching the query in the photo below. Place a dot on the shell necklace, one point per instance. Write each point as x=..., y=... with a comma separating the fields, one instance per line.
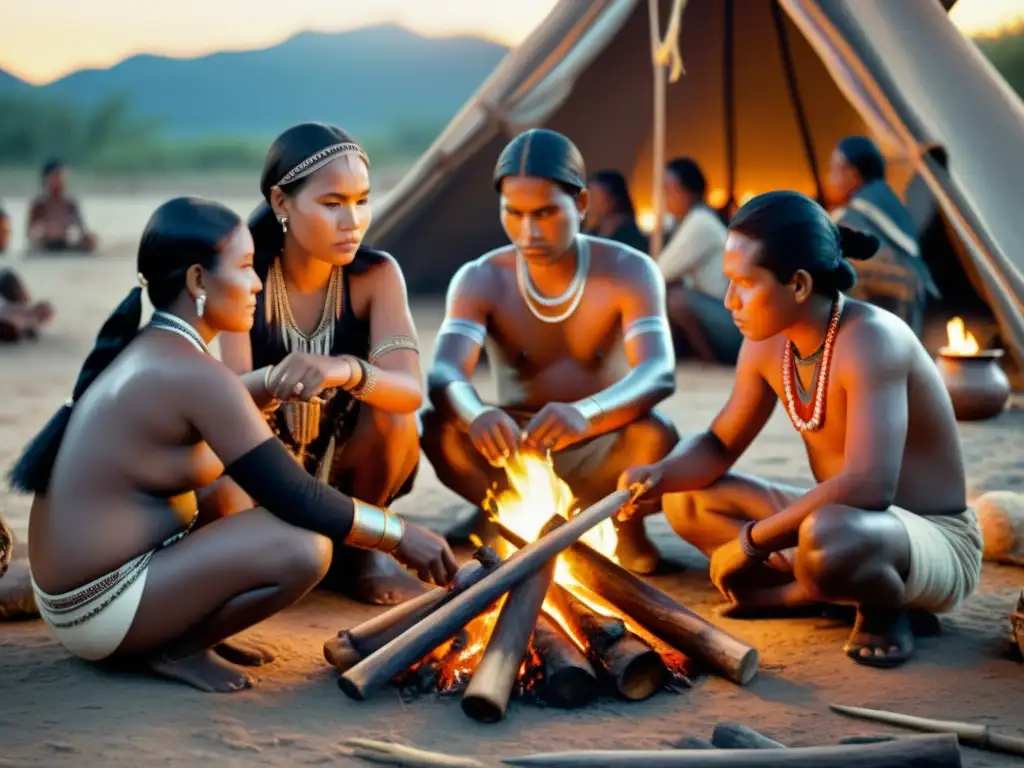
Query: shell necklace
x=279, y=310
x=573, y=294
x=821, y=382
x=168, y=322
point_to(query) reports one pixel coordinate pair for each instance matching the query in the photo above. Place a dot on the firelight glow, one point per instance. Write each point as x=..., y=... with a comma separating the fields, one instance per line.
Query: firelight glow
x=961, y=341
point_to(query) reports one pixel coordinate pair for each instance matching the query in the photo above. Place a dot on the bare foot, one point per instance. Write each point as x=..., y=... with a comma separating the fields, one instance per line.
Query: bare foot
x=243, y=654
x=880, y=637
x=634, y=550
x=379, y=580
x=206, y=671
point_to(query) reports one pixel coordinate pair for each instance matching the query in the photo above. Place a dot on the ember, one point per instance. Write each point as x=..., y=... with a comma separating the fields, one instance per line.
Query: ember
x=561, y=631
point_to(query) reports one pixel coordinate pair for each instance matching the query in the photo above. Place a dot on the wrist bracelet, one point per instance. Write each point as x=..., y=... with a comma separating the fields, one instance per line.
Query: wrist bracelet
x=465, y=402
x=374, y=528
x=750, y=549
x=266, y=380
x=367, y=381
x=589, y=408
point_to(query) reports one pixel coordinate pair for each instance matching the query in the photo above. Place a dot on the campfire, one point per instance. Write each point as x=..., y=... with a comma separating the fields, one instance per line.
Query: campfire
x=977, y=385
x=560, y=629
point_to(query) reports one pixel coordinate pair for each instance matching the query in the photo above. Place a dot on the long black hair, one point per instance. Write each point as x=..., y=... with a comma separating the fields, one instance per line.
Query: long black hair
x=300, y=144
x=617, y=188
x=545, y=154
x=181, y=232
x=797, y=233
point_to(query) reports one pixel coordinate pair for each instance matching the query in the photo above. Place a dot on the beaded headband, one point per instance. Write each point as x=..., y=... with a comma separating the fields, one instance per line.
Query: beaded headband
x=320, y=159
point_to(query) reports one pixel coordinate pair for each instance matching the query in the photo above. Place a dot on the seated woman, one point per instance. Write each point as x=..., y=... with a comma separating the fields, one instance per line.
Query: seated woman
x=333, y=333
x=897, y=279
x=20, y=316
x=55, y=222
x=611, y=214
x=119, y=570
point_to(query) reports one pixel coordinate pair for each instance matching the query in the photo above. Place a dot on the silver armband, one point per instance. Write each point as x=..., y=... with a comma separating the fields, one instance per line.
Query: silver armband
x=471, y=330
x=590, y=408
x=465, y=402
x=649, y=324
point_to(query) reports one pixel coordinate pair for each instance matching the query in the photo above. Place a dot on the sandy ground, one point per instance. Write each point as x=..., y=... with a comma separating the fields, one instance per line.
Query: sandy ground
x=56, y=711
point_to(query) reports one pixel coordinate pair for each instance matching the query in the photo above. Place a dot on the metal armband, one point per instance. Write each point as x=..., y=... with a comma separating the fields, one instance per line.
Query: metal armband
x=374, y=528
x=391, y=344
x=590, y=408
x=643, y=325
x=459, y=327
x=465, y=402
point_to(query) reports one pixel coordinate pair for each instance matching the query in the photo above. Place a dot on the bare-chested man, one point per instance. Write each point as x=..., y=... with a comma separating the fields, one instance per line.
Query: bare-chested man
x=887, y=528
x=55, y=221
x=578, y=340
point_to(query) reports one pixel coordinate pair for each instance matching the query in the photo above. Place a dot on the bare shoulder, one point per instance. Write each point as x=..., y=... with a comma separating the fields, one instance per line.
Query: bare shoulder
x=625, y=264
x=873, y=339
x=203, y=377
x=479, y=278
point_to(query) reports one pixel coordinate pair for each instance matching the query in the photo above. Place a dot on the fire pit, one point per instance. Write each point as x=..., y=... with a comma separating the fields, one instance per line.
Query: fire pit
x=575, y=626
x=976, y=383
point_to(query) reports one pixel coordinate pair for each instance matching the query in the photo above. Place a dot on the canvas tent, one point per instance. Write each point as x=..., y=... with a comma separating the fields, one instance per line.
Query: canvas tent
x=769, y=87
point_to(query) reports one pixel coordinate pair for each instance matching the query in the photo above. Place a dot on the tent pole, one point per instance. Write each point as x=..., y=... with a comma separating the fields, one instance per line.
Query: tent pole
x=657, y=177
x=729, y=101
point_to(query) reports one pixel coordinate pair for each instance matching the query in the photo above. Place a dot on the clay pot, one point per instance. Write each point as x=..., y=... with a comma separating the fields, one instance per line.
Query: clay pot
x=977, y=384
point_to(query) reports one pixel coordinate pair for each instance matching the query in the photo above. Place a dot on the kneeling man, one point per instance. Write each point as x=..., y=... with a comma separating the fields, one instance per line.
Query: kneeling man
x=887, y=527
x=577, y=336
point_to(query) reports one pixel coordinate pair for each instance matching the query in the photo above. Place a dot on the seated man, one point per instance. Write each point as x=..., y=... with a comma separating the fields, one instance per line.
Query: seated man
x=578, y=340
x=20, y=317
x=55, y=222
x=887, y=527
x=610, y=212
x=897, y=278
x=691, y=263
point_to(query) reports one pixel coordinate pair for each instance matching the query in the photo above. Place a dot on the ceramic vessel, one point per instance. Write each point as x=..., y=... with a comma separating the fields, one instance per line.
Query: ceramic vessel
x=977, y=384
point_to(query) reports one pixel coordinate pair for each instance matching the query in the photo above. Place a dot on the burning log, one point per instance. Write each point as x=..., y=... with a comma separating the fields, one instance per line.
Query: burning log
x=486, y=698
x=659, y=613
x=936, y=751
x=353, y=645
x=413, y=644
x=635, y=670
x=568, y=679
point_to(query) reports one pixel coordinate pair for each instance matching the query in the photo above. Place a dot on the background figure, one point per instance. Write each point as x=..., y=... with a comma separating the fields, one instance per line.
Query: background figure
x=691, y=263
x=55, y=221
x=332, y=323
x=897, y=279
x=20, y=317
x=611, y=213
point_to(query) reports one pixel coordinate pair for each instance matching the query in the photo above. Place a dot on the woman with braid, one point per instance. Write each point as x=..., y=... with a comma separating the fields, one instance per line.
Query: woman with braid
x=334, y=337
x=120, y=570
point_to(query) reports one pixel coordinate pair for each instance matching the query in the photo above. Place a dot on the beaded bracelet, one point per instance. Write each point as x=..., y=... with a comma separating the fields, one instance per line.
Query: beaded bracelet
x=750, y=549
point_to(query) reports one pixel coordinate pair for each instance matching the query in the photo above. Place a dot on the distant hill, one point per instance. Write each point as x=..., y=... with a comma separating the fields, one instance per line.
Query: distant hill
x=10, y=82
x=366, y=80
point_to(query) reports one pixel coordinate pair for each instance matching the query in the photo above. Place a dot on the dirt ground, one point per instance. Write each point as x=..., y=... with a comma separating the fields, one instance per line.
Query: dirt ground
x=57, y=711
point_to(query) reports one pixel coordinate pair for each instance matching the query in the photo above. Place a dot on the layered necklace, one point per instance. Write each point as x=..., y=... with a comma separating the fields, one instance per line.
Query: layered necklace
x=167, y=322
x=321, y=340
x=803, y=421
x=572, y=296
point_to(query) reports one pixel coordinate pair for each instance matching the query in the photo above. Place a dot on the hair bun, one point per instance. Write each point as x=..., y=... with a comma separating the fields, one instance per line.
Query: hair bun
x=856, y=245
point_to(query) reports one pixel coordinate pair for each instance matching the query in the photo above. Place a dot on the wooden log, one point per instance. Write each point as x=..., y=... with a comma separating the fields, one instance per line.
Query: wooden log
x=390, y=753
x=635, y=670
x=738, y=736
x=353, y=645
x=565, y=676
x=981, y=736
x=659, y=613
x=933, y=751
x=376, y=669
x=486, y=697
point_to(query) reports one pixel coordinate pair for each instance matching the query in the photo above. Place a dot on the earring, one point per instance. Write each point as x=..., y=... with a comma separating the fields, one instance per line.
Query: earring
x=284, y=223
x=200, y=304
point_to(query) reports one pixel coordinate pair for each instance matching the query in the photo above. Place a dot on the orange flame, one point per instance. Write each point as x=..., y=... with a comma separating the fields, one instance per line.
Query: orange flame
x=961, y=341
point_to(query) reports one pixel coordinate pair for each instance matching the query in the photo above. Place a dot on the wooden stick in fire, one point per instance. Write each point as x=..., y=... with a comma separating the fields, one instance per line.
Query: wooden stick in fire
x=486, y=697
x=381, y=666
x=568, y=679
x=934, y=750
x=353, y=645
x=657, y=612
x=968, y=733
x=636, y=671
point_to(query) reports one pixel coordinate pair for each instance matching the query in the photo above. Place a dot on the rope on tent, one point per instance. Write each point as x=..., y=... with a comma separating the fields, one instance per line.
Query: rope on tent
x=663, y=51
x=794, y=96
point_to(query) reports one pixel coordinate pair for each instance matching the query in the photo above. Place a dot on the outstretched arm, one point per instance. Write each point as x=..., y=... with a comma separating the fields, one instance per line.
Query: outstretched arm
x=649, y=350
x=458, y=345
x=875, y=381
x=699, y=461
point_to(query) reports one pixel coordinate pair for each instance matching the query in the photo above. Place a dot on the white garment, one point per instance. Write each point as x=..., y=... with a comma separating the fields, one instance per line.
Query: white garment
x=695, y=253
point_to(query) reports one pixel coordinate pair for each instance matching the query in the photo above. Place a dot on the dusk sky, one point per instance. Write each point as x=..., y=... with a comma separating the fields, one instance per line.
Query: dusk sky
x=41, y=40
